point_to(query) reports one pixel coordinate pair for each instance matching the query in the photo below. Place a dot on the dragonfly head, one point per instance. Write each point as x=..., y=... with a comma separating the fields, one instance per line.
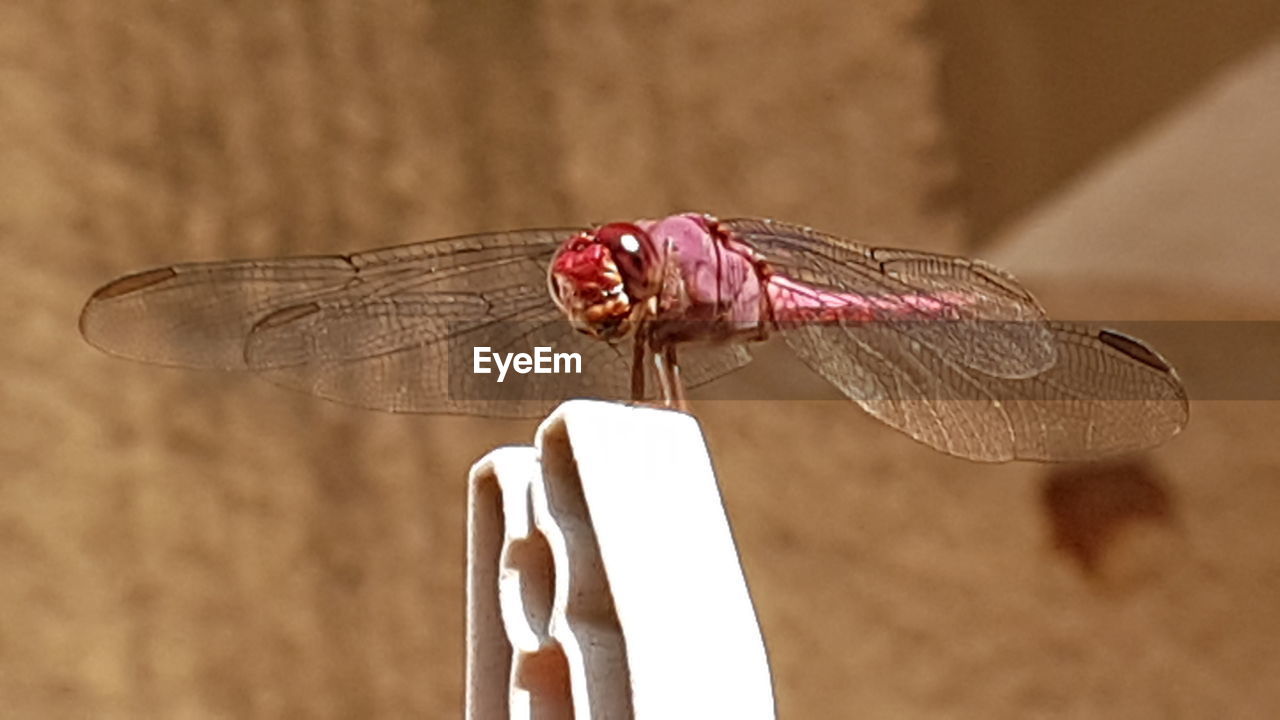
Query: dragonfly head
x=602, y=278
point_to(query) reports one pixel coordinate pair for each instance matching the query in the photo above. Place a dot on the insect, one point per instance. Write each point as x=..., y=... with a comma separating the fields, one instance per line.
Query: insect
x=952, y=351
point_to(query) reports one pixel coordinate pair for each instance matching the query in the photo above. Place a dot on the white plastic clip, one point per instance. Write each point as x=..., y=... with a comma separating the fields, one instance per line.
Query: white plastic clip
x=603, y=581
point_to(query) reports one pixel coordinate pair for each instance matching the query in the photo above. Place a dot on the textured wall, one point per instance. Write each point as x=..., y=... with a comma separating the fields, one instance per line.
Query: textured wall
x=1038, y=89
x=178, y=544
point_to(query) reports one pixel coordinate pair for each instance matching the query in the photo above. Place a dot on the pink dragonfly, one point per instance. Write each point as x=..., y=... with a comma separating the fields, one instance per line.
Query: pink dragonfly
x=949, y=350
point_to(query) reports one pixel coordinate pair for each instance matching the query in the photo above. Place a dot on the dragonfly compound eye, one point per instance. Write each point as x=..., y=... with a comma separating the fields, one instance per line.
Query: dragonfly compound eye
x=635, y=256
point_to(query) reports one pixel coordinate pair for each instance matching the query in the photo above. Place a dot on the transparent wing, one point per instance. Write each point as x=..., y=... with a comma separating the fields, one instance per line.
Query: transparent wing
x=393, y=329
x=991, y=323
x=441, y=376
x=991, y=379
x=202, y=314
x=1106, y=393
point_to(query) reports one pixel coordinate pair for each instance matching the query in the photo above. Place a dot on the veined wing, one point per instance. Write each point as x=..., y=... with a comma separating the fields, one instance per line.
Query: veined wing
x=1106, y=393
x=943, y=380
x=204, y=314
x=392, y=329
x=972, y=313
x=441, y=376
x=374, y=329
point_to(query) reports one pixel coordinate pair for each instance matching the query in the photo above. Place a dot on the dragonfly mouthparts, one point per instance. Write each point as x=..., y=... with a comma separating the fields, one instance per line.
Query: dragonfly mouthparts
x=588, y=288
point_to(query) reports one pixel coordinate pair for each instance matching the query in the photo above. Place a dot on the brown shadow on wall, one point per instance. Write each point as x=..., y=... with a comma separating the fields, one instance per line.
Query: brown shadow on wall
x=1037, y=90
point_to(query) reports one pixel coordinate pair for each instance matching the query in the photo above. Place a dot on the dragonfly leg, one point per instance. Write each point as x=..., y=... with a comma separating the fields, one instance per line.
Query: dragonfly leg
x=669, y=377
x=677, y=385
x=638, y=352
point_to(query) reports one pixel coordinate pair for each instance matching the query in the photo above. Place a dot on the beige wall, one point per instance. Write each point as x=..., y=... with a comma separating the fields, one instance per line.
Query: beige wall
x=177, y=544
x=1037, y=90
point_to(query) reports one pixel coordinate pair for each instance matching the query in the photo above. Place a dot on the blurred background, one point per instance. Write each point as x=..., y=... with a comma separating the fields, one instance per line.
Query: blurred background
x=179, y=544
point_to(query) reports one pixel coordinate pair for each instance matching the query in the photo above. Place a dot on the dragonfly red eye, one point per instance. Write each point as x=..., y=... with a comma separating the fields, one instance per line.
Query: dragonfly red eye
x=635, y=255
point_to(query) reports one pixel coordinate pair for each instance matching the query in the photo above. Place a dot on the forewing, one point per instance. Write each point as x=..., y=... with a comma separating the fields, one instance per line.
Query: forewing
x=203, y=314
x=374, y=329
x=200, y=314
x=972, y=313
x=391, y=329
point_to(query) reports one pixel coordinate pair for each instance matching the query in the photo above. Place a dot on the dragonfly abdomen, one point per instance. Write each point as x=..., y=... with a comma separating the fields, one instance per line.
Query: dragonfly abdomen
x=796, y=303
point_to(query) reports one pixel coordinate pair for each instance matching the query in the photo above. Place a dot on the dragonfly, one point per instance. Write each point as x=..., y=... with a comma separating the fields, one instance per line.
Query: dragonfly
x=952, y=351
